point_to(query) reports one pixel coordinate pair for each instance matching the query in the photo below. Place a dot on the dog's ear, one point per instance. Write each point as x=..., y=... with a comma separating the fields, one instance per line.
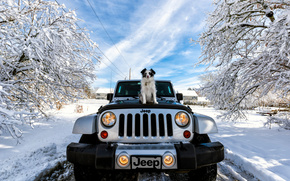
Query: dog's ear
x=152, y=71
x=143, y=71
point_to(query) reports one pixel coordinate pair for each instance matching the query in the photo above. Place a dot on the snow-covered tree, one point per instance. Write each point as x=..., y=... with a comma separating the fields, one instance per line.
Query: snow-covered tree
x=45, y=58
x=248, y=41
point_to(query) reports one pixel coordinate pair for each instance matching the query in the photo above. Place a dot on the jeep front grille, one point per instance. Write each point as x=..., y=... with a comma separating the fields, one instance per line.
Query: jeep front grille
x=145, y=125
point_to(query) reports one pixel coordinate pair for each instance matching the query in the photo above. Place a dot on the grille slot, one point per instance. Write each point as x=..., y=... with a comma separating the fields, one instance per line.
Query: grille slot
x=129, y=125
x=161, y=125
x=146, y=125
x=153, y=125
x=121, y=125
x=137, y=125
x=169, y=125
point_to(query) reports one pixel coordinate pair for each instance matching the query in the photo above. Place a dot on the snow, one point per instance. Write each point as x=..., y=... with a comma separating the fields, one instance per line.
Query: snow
x=249, y=145
x=42, y=147
x=246, y=47
x=258, y=150
x=38, y=38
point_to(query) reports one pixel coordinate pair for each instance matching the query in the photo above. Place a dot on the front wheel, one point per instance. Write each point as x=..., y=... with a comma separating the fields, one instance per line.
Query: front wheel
x=207, y=173
x=86, y=173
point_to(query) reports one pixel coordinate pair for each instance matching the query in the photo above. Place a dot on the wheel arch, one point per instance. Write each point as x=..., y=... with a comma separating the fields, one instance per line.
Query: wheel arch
x=204, y=124
x=85, y=125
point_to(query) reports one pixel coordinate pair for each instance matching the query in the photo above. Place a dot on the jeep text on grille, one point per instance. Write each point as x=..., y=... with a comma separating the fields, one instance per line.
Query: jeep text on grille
x=128, y=135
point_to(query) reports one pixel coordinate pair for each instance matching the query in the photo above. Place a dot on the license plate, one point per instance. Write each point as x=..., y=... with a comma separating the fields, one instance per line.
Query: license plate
x=146, y=162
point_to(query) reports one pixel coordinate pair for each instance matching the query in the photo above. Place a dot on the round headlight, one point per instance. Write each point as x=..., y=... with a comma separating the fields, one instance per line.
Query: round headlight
x=109, y=119
x=181, y=119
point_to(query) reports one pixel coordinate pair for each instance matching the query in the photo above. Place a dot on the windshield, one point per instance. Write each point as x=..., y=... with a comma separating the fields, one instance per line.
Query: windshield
x=133, y=89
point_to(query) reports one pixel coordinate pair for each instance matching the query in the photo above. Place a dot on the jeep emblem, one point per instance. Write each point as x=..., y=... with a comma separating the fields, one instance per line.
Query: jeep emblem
x=146, y=162
x=145, y=111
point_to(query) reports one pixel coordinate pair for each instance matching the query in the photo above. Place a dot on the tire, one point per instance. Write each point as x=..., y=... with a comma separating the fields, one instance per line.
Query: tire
x=89, y=138
x=207, y=173
x=86, y=173
x=83, y=173
x=200, y=138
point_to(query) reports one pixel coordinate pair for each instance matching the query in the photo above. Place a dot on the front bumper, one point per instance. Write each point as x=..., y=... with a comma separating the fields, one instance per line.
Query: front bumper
x=188, y=156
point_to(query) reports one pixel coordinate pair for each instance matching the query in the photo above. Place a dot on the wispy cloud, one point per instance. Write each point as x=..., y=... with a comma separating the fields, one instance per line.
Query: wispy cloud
x=152, y=40
x=155, y=34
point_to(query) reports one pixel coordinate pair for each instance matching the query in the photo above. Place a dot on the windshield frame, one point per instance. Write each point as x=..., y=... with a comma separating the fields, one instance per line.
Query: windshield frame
x=169, y=87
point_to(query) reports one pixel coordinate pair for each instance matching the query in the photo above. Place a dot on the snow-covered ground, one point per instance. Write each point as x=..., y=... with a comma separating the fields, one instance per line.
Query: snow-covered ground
x=43, y=147
x=252, y=147
x=249, y=146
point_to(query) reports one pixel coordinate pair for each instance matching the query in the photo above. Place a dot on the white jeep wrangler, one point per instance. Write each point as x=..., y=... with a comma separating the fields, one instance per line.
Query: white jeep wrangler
x=126, y=135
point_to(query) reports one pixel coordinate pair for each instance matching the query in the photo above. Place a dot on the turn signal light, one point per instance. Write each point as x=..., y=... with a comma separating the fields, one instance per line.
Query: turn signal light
x=123, y=160
x=104, y=134
x=186, y=134
x=168, y=159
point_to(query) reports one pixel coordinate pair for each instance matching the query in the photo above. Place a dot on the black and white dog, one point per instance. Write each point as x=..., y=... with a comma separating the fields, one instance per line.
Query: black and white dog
x=148, y=89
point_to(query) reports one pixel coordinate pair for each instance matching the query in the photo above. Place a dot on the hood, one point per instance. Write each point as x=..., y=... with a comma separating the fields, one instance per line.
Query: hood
x=136, y=104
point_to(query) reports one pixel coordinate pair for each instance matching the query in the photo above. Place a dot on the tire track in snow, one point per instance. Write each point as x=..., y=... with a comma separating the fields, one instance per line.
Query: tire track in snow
x=228, y=171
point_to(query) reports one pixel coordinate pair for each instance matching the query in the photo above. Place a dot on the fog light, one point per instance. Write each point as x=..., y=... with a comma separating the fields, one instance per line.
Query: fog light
x=104, y=134
x=186, y=134
x=168, y=160
x=123, y=160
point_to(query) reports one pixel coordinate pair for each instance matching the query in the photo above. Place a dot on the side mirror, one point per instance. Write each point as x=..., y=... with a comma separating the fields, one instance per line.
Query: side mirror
x=110, y=96
x=179, y=97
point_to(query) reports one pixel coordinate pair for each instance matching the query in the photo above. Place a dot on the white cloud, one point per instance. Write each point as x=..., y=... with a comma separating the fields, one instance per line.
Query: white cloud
x=154, y=38
x=154, y=30
x=187, y=52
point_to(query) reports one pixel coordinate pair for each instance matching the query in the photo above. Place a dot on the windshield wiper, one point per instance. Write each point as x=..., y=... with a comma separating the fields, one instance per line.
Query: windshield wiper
x=162, y=98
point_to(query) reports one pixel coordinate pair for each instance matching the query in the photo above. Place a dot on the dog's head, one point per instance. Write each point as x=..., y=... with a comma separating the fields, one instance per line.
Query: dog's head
x=147, y=73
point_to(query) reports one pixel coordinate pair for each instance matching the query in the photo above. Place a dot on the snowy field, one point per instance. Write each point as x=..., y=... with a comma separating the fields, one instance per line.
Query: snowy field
x=250, y=147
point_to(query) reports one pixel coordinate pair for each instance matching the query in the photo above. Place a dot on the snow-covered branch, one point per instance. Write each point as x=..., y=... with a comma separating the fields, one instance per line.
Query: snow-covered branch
x=249, y=42
x=44, y=58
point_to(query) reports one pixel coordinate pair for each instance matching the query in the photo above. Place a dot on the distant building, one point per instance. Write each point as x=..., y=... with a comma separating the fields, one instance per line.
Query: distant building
x=189, y=96
x=101, y=93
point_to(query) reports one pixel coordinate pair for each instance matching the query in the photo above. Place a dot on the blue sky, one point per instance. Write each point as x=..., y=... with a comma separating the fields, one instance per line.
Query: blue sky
x=149, y=34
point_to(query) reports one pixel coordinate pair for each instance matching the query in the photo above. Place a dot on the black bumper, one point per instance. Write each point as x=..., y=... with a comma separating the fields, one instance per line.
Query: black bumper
x=102, y=156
